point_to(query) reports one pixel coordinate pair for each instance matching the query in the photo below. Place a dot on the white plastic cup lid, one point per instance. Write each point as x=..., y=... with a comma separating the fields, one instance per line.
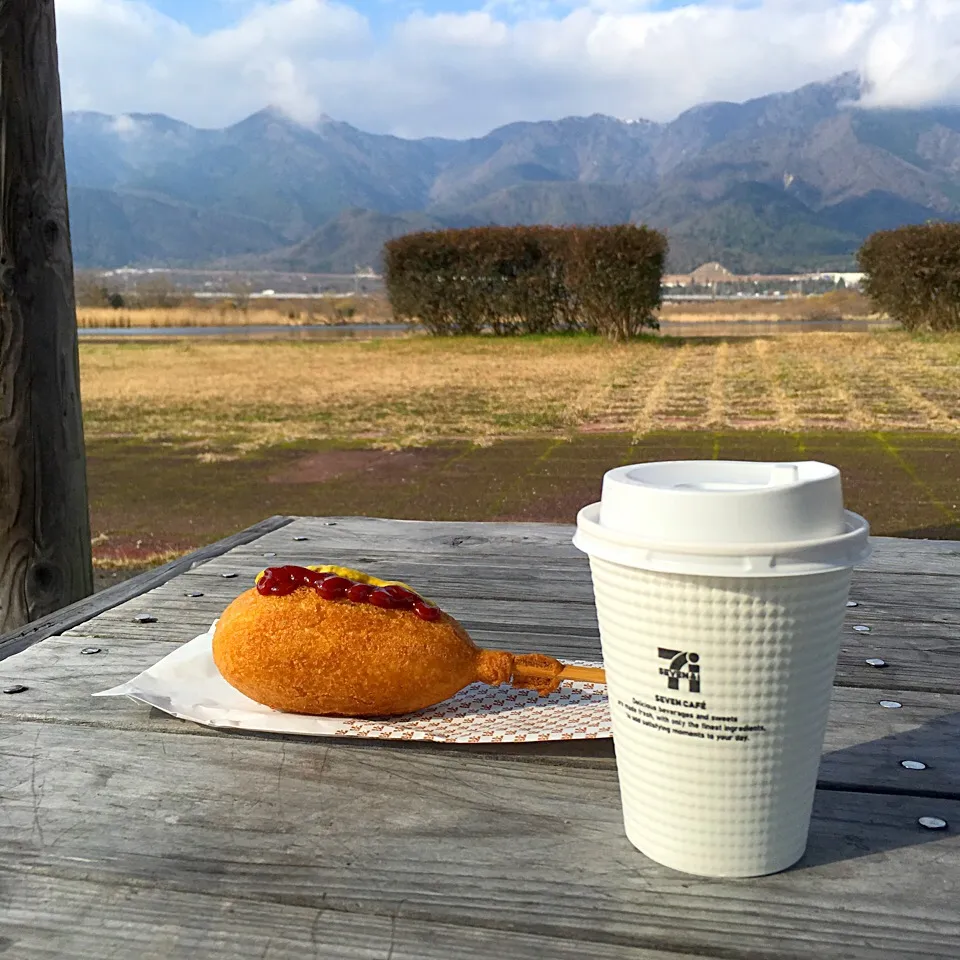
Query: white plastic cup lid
x=723, y=501
x=737, y=517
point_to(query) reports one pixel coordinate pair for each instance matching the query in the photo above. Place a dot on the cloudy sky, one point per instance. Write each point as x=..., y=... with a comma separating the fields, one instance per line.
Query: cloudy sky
x=462, y=67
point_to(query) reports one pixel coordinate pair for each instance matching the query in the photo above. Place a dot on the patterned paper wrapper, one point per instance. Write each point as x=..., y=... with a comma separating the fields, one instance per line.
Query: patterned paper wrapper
x=187, y=684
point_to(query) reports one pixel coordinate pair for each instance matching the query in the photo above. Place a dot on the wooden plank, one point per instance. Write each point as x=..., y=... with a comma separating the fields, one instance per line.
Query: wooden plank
x=455, y=538
x=865, y=743
x=515, y=577
x=90, y=607
x=46, y=917
x=864, y=746
x=442, y=538
x=460, y=840
x=895, y=597
x=44, y=520
x=886, y=599
x=918, y=656
x=909, y=557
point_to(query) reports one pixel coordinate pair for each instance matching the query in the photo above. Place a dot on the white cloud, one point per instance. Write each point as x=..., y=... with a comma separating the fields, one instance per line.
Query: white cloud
x=123, y=56
x=461, y=74
x=913, y=57
x=125, y=125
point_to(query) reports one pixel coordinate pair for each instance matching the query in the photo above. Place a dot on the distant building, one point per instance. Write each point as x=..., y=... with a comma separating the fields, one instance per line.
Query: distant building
x=712, y=273
x=705, y=275
x=849, y=279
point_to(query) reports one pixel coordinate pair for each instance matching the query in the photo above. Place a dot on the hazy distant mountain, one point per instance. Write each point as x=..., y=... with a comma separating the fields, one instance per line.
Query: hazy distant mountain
x=790, y=180
x=351, y=239
x=114, y=228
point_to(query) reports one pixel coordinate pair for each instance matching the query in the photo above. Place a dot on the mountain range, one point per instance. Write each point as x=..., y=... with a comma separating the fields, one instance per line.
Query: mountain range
x=789, y=181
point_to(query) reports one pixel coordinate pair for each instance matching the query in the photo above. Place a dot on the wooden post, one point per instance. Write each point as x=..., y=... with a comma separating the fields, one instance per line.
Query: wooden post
x=44, y=522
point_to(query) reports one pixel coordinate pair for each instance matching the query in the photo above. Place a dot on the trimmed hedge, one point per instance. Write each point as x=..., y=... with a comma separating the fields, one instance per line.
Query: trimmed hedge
x=913, y=274
x=528, y=279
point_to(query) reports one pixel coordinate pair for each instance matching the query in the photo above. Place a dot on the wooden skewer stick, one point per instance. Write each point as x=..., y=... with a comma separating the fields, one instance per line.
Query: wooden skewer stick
x=586, y=674
x=548, y=670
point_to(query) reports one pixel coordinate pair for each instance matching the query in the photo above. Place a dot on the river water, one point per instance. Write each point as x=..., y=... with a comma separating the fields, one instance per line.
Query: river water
x=366, y=331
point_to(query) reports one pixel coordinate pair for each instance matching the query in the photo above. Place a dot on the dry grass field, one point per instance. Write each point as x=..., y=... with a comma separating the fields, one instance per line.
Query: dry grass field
x=294, y=312
x=189, y=440
x=222, y=397
x=838, y=305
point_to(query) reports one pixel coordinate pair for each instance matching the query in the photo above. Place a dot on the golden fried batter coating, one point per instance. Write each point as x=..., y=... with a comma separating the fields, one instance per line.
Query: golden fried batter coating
x=301, y=653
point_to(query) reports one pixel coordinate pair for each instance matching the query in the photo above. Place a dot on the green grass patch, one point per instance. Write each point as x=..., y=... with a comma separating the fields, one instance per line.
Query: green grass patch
x=164, y=495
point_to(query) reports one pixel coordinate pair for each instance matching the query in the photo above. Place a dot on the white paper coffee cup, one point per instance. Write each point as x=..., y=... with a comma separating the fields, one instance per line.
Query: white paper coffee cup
x=720, y=590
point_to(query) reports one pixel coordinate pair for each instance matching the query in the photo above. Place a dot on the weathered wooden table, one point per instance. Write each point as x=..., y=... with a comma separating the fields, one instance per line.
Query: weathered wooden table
x=126, y=833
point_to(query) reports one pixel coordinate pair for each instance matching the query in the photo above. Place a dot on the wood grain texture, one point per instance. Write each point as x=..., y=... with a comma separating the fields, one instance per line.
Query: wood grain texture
x=90, y=607
x=44, y=523
x=46, y=917
x=553, y=541
x=457, y=840
x=863, y=748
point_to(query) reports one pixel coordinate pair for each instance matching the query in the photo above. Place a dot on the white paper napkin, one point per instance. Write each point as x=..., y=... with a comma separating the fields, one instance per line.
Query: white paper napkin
x=187, y=684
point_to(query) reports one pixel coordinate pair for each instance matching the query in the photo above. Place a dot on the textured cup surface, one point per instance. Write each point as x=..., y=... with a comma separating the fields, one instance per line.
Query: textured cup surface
x=719, y=692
